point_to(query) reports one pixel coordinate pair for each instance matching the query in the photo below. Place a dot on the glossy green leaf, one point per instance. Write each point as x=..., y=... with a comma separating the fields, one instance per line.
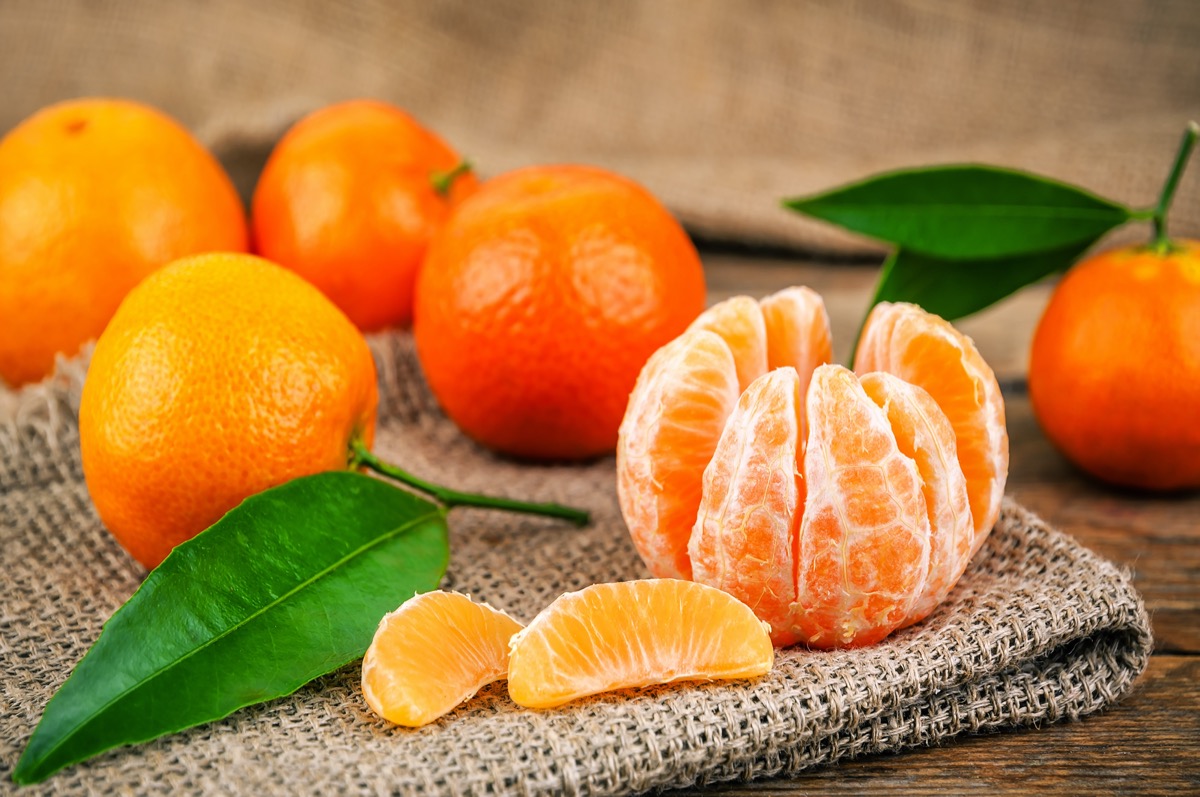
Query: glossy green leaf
x=288, y=586
x=967, y=212
x=957, y=288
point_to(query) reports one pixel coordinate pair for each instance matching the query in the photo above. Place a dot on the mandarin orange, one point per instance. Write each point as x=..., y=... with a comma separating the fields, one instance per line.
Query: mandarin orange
x=349, y=199
x=541, y=299
x=95, y=194
x=219, y=376
x=1114, y=372
x=838, y=507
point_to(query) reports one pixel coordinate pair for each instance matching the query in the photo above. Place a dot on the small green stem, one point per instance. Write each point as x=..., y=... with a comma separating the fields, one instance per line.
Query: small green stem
x=452, y=498
x=1161, y=242
x=444, y=181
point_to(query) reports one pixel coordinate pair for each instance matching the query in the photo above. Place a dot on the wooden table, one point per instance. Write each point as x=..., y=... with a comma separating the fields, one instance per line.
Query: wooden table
x=1150, y=743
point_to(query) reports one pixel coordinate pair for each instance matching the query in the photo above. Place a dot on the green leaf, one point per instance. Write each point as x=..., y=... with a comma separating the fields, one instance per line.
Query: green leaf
x=288, y=586
x=967, y=212
x=957, y=288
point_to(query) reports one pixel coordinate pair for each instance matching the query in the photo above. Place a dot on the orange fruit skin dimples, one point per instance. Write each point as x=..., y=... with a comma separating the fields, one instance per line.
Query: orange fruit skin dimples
x=540, y=300
x=1114, y=372
x=220, y=375
x=95, y=194
x=347, y=201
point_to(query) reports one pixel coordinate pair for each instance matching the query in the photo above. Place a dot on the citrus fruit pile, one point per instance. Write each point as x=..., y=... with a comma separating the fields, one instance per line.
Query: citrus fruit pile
x=542, y=293
x=439, y=648
x=839, y=506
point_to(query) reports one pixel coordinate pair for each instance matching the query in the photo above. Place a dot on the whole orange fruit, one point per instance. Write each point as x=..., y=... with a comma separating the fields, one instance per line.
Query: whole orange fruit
x=348, y=201
x=94, y=195
x=220, y=375
x=541, y=299
x=1114, y=374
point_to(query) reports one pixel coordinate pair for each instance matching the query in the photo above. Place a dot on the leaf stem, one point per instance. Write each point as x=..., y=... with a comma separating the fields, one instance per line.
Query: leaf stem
x=444, y=181
x=1190, y=133
x=362, y=456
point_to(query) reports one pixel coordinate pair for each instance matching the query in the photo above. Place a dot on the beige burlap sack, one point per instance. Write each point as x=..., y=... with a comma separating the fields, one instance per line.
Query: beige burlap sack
x=1039, y=630
x=721, y=108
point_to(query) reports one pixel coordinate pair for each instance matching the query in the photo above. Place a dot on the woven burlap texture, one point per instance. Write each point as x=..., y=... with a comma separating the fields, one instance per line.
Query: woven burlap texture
x=1039, y=630
x=720, y=108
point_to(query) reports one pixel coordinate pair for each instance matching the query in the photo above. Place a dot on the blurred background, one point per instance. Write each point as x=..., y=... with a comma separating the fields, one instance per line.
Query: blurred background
x=720, y=108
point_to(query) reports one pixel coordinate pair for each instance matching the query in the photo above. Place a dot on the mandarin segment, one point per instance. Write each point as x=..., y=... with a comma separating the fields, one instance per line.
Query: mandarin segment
x=431, y=654
x=633, y=634
x=798, y=332
x=753, y=491
x=924, y=434
x=739, y=322
x=925, y=350
x=863, y=546
x=675, y=415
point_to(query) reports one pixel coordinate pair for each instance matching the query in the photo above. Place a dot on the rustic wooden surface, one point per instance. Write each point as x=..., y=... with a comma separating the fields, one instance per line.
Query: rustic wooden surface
x=1150, y=743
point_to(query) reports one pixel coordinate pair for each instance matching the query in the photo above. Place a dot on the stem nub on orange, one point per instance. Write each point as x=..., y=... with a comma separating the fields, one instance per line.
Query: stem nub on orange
x=94, y=195
x=539, y=302
x=349, y=200
x=1114, y=374
x=220, y=376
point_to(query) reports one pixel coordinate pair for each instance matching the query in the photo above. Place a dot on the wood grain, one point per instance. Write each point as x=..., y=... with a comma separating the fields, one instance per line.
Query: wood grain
x=1146, y=745
x=1150, y=743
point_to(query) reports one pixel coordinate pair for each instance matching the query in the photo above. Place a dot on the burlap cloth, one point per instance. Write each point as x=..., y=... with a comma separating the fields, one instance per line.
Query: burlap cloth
x=1039, y=630
x=720, y=108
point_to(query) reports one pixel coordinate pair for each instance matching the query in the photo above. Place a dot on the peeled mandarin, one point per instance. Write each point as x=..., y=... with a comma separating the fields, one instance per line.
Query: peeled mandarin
x=838, y=507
